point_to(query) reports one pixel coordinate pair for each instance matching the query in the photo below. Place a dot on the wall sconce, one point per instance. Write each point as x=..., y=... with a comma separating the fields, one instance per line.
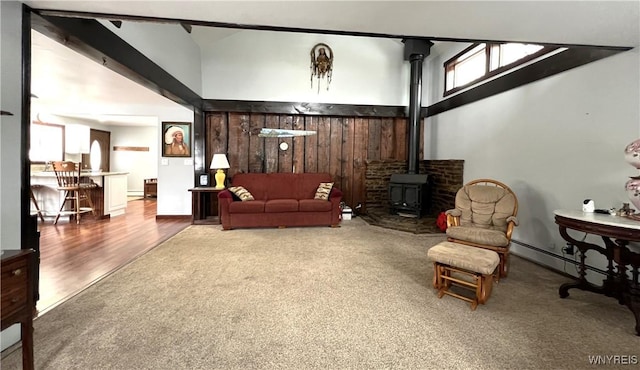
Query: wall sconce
x=219, y=162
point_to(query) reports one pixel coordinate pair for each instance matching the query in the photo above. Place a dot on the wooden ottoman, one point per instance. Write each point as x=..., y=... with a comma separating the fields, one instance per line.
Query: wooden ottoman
x=464, y=266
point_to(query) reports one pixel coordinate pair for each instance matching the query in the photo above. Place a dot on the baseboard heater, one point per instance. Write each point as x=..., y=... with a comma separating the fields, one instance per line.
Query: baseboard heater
x=562, y=258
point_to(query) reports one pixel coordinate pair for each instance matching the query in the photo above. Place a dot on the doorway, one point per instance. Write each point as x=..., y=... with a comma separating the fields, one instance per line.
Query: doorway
x=102, y=140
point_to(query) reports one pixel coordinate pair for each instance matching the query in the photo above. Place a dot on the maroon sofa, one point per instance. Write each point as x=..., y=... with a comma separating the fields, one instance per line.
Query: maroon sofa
x=281, y=199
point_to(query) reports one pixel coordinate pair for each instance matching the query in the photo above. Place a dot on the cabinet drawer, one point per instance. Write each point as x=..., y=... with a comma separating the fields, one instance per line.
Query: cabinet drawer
x=13, y=302
x=14, y=286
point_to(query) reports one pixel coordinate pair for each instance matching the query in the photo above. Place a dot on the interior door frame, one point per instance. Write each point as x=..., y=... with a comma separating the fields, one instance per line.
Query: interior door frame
x=104, y=139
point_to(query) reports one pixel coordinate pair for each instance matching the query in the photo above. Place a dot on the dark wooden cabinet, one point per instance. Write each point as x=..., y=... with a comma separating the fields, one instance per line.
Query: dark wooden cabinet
x=18, y=304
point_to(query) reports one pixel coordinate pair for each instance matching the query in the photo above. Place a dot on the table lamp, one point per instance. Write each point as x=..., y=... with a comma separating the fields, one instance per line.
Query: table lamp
x=219, y=162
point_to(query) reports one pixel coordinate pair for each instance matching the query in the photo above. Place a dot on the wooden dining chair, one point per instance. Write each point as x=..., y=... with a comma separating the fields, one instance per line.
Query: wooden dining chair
x=75, y=189
x=34, y=200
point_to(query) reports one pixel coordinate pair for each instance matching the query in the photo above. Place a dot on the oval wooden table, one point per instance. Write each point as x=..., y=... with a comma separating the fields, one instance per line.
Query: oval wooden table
x=616, y=233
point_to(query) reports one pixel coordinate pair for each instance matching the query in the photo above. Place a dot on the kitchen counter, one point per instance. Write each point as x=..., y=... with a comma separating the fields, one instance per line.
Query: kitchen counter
x=110, y=197
x=82, y=174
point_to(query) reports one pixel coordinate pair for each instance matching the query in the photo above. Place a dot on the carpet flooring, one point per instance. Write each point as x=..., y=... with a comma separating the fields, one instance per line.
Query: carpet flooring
x=355, y=297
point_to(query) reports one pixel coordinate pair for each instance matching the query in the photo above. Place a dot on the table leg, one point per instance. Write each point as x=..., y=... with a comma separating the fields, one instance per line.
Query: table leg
x=631, y=289
x=581, y=282
x=615, y=283
x=632, y=300
x=27, y=344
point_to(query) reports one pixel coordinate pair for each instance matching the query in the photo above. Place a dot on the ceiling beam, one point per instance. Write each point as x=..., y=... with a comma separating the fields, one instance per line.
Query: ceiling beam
x=186, y=26
x=302, y=108
x=557, y=63
x=93, y=40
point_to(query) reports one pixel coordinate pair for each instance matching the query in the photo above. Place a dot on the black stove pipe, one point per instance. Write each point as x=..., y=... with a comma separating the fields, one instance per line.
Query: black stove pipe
x=415, y=104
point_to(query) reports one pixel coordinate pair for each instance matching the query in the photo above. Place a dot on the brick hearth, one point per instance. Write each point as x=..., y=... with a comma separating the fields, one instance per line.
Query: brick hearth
x=446, y=177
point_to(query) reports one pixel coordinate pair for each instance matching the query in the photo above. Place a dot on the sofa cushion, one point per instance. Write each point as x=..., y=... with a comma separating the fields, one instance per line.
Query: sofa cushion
x=256, y=183
x=267, y=186
x=478, y=235
x=281, y=205
x=256, y=206
x=314, y=205
x=241, y=193
x=307, y=184
x=281, y=186
x=324, y=189
x=465, y=257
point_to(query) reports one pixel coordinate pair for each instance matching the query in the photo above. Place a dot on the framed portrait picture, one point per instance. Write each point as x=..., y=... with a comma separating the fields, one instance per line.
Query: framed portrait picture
x=176, y=139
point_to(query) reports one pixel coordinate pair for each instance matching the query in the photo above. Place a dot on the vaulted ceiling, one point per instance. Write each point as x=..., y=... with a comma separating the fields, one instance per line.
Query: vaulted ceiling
x=610, y=23
x=594, y=23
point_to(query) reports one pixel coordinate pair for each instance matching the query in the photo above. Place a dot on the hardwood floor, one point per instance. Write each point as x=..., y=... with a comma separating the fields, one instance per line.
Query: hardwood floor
x=72, y=257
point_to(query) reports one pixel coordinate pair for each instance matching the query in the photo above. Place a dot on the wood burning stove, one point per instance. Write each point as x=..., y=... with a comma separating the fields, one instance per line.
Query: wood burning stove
x=409, y=194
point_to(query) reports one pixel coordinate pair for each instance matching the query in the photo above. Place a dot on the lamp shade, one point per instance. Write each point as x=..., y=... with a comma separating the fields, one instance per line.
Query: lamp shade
x=219, y=161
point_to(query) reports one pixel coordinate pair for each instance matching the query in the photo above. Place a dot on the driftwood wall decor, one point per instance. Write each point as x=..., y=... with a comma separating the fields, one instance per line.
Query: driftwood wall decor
x=321, y=64
x=341, y=146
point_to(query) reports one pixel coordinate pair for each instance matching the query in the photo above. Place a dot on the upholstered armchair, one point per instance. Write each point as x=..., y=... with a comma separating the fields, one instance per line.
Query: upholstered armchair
x=484, y=216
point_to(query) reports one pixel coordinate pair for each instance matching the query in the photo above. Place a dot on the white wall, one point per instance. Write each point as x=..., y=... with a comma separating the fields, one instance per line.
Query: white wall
x=166, y=44
x=175, y=175
x=10, y=126
x=10, y=133
x=555, y=142
x=140, y=165
x=274, y=66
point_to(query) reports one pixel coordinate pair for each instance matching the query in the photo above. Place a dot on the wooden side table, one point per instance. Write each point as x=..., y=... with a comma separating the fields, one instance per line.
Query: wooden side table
x=18, y=304
x=150, y=188
x=204, y=206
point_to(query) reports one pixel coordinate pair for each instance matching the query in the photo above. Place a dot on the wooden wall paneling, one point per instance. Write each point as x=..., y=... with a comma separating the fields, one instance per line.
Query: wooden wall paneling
x=216, y=131
x=298, y=149
x=347, y=160
x=311, y=144
x=335, y=159
x=256, y=143
x=285, y=157
x=400, y=138
x=324, y=144
x=360, y=150
x=373, y=146
x=271, y=145
x=341, y=146
x=238, y=143
x=387, y=139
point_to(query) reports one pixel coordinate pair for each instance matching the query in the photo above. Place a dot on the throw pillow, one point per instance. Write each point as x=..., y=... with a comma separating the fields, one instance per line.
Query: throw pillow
x=241, y=193
x=323, y=191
